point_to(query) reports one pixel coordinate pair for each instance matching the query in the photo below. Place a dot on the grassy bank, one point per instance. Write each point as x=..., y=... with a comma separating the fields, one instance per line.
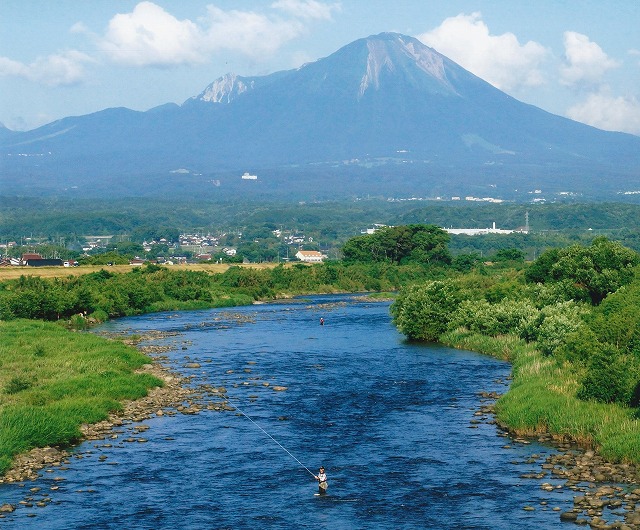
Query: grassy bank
x=541, y=398
x=53, y=380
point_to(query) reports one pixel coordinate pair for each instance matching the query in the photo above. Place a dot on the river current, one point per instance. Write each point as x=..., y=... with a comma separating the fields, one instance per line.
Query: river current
x=392, y=422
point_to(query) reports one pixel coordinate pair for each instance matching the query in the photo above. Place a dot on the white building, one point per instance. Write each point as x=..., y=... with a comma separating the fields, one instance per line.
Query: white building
x=310, y=256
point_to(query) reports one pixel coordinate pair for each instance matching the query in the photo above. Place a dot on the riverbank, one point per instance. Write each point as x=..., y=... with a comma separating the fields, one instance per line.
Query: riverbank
x=542, y=400
x=598, y=445
x=173, y=395
x=606, y=494
x=579, y=470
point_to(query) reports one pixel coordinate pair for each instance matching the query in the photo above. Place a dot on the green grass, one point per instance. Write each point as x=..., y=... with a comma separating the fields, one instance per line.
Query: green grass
x=52, y=381
x=542, y=399
x=384, y=295
x=226, y=300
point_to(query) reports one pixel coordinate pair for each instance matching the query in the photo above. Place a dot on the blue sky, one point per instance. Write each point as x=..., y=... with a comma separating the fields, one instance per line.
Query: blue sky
x=579, y=59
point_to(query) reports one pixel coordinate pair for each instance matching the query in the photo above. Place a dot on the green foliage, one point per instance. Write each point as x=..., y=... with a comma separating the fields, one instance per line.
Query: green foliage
x=466, y=262
x=103, y=294
x=617, y=319
x=508, y=254
x=501, y=318
x=423, y=312
x=426, y=244
x=599, y=269
x=609, y=378
x=578, y=347
x=553, y=324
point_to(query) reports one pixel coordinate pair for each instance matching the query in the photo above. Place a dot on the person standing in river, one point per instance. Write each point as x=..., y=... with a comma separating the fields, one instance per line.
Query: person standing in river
x=322, y=481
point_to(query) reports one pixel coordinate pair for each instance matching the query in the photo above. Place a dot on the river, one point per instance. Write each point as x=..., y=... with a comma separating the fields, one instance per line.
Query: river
x=392, y=422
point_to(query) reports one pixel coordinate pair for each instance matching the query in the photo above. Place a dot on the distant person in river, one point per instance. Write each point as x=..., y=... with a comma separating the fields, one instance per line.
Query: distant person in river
x=322, y=481
x=321, y=321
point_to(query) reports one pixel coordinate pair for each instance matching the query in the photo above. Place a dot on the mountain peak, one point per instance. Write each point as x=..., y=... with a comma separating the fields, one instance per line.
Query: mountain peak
x=225, y=89
x=393, y=51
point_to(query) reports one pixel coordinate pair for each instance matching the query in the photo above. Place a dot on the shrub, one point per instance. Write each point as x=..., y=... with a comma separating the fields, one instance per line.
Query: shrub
x=506, y=316
x=608, y=378
x=423, y=312
x=553, y=324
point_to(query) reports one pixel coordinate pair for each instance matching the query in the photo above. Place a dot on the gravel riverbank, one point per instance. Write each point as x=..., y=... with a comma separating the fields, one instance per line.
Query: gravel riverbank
x=607, y=495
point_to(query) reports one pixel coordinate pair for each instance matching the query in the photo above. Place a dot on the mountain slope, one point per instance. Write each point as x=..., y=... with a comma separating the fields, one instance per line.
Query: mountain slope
x=385, y=108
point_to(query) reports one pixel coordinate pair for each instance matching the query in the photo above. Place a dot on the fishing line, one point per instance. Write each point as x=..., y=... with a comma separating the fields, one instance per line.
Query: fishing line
x=276, y=441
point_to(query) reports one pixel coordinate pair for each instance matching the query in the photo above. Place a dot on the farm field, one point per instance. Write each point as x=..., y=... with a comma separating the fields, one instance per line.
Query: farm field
x=11, y=273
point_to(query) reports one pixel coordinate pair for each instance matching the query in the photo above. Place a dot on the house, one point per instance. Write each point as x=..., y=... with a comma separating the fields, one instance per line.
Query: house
x=29, y=256
x=310, y=256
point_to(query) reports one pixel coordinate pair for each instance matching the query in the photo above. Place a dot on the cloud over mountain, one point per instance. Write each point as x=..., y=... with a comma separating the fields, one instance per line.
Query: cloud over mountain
x=498, y=59
x=585, y=62
x=608, y=112
x=151, y=36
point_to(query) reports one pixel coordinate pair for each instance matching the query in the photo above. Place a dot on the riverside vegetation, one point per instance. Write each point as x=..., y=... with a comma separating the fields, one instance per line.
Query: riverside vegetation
x=568, y=322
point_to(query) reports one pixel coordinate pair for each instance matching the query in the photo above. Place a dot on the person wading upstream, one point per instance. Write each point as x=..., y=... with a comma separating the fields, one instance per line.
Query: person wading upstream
x=322, y=482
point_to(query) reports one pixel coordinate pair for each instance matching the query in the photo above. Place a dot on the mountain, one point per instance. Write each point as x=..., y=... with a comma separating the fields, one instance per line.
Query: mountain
x=382, y=115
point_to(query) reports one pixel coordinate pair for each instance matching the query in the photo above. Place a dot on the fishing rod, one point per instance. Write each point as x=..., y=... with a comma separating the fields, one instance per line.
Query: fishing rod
x=276, y=441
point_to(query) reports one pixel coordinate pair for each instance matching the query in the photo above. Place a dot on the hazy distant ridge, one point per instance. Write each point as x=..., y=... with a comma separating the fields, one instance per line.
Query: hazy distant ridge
x=385, y=107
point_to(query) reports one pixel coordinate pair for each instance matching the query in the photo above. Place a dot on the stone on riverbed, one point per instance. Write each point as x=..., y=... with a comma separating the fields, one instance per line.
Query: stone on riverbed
x=568, y=516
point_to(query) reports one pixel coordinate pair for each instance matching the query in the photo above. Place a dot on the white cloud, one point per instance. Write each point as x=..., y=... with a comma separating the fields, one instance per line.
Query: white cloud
x=607, y=112
x=498, y=59
x=309, y=9
x=66, y=68
x=252, y=34
x=150, y=36
x=585, y=62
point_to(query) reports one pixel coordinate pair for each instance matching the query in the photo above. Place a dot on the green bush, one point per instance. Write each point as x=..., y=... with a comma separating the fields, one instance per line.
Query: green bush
x=506, y=316
x=423, y=312
x=609, y=378
x=554, y=324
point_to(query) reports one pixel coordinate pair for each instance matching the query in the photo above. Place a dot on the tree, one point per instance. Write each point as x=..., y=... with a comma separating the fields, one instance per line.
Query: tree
x=598, y=269
x=423, y=312
x=426, y=244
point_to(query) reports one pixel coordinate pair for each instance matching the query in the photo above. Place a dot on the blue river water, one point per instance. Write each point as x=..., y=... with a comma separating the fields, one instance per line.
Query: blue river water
x=391, y=421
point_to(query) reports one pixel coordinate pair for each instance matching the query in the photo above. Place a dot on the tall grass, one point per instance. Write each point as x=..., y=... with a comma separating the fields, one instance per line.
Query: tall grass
x=541, y=399
x=53, y=380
